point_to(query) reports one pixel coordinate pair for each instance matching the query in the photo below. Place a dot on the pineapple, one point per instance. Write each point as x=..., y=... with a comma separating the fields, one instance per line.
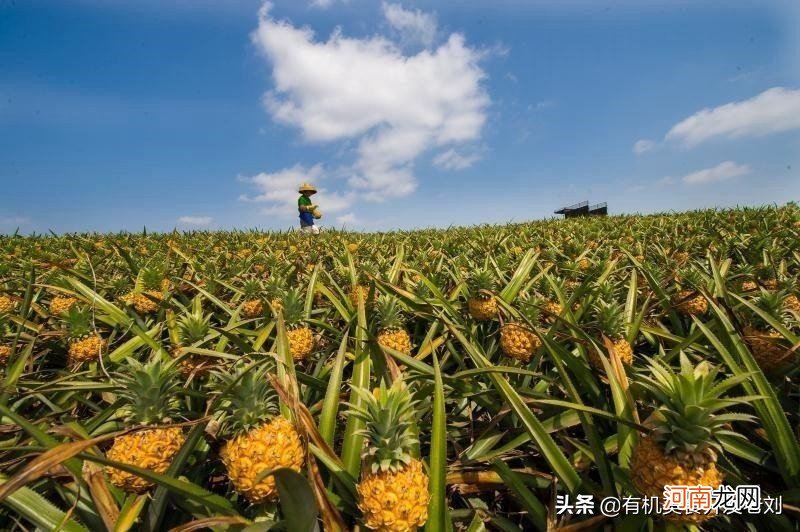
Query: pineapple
x=192, y=328
x=61, y=304
x=149, y=291
x=481, y=303
x=610, y=321
x=7, y=304
x=253, y=306
x=5, y=350
x=151, y=393
x=299, y=335
x=518, y=340
x=356, y=291
x=84, y=343
x=258, y=438
x=393, y=491
x=352, y=247
x=769, y=348
x=392, y=332
x=682, y=447
x=689, y=301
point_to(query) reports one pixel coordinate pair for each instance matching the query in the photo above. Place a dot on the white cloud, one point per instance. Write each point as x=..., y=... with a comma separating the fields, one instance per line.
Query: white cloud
x=453, y=160
x=414, y=26
x=195, y=220
x=278, y=191
x=14, y=220
x=348, y=219
x=722, y=172
x=643, y=146
x=773, y=111
x=397, y=106
x=322, y=4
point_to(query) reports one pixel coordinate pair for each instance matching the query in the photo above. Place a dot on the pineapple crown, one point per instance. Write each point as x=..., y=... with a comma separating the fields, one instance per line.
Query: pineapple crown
x=193, y=327
x=481, y=282
x=692, y=279
x=609, y=318
x=389, y=414
x=390, y=315
x=79, y=321
x=293, y=307
x=689, y=418
x=251, y=289
x=150, y=277
x=772, y=303
x=247, y=400
x=150, y=391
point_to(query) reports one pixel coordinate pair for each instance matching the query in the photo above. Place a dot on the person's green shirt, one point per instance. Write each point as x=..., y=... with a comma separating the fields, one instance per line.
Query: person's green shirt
x=306, y=218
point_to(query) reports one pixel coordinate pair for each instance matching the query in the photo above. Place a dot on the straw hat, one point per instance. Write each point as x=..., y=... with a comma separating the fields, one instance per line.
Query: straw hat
x=307, y=187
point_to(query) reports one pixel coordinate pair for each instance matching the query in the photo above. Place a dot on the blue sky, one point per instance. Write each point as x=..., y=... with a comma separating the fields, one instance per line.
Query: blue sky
x=116, y=115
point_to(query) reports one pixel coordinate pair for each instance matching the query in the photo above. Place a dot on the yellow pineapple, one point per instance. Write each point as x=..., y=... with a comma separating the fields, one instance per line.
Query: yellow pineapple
x=393, y=491
x=61, y=304
x=391, y=331
x=481, y=303
x=191, y=330
x=7, y=304
x=5, y=350
x=609, y=320
x=688, y=300
x=682, y=447
x=352, y=247
x=357, y=291
x=84, y=344
x=253, y=305
x=151, y=394
x=299, y=335
x=770, y=349
x=519, y=340
x=258, y=438
x=149, y=291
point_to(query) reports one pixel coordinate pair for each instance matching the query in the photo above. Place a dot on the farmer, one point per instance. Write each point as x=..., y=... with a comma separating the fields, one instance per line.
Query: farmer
x=308, y=211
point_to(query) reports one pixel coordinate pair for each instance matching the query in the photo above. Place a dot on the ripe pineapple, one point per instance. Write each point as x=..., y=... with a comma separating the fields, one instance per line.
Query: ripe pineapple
x=769, y=348
x=151, y=394
x=688, y=300
x=5, y=350
x=7, y=304
x=301, y=339
x=84, y=343
x=61, y=304
x=356, y=291
x=253, y=306
x=352, y=247
x=481, y=303
x=258, y=438
x=149, y=291
x=393, y=491
x=517, y=340
x=392, y=332
x=682, y=448
x=610, y=321
x=192, y=328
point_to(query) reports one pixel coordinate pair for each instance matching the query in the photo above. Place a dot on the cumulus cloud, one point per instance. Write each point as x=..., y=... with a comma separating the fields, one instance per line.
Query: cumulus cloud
x=414, y=26
x=195, y=220
x=773, y=111
x=453, y=160
x=278, y=191
x=722, y=172
x=349, y=219
x=322, y=4
x=643, y=146
x=394, y=105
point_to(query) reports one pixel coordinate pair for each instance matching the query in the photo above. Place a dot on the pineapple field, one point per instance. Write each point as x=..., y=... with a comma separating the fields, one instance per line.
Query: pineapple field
x=505, y=378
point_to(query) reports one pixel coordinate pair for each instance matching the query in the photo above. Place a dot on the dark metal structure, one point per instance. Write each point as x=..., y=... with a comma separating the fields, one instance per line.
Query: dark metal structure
x=584, y=209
